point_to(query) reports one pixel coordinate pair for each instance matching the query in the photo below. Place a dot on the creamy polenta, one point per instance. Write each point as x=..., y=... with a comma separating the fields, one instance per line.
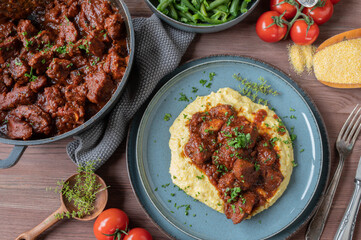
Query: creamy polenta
x=194, y=181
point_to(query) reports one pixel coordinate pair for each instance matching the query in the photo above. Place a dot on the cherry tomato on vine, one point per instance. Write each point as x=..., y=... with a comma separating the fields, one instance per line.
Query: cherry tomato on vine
x=321, y=12
x=281, y=6
x=334, y=1
x=301, y=36
x=138, y=234
x=111, y=224
x=270, y=28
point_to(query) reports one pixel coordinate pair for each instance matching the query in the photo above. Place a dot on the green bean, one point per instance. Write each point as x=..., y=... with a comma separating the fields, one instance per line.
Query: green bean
x=173, y=12
x=216, y=3
x=234, y=7
x=163, y=5
x=189, y=5
x=223, y=8
x=187, y=16
x=244, y=6
x=181, y=8
x=197, y=4
x=203, y=10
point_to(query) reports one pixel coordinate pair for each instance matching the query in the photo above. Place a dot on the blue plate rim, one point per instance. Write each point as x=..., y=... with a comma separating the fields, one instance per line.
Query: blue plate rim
x=164, y=83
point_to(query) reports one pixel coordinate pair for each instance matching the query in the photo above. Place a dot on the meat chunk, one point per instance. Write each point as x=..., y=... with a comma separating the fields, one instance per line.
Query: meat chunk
x=242, y=208
x=41, y=60
x=223, y=112
x=225, y=183
x=6, y=29
x=26, y=30
x=69, y=117
x=51, y=100
x=38, y=84
x=100, y=87
x=59, y=69
x=94, y=45
x=196, y=150
x=8, y=48
x=74, y=93
x=113, y=25
x=18, y=68
x=7, y=80
x=68, y=31
x=37, y=118
x=96, y=12
x=18, y=96
x=265, y=155
x=18, y=129
x=245, y=173
x=272, y=179
x=76, y=78
x=226, y=156
x=214, y=125
x=3, y=88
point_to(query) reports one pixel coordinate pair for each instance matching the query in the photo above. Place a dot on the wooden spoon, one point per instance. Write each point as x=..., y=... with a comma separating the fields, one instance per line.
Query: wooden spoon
x=356, y=33
x=100, y=202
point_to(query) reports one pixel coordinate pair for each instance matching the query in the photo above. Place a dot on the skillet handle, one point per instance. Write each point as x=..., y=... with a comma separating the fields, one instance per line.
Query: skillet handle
x=13, y=158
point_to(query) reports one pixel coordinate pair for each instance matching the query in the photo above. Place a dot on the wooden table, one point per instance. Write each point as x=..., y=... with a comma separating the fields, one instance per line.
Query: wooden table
x=24, y=202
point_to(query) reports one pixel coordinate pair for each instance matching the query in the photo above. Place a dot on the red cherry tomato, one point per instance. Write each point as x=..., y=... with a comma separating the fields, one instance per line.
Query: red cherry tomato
x=320, y=14
x=112, y=222
x=301, y=36
x=138, y=234
x=334, y=1
x=281, y=6
x=269, y=33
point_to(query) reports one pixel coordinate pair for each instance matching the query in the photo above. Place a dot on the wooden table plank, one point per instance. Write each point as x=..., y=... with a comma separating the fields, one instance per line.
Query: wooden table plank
x=24, y=202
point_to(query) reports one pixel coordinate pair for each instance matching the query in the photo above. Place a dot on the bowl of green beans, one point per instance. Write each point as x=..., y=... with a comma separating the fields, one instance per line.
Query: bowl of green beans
x=202, y=16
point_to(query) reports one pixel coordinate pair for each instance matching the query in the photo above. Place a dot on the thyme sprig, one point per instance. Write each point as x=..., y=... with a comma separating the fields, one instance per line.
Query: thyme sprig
x=252, y=89
x=82, y=194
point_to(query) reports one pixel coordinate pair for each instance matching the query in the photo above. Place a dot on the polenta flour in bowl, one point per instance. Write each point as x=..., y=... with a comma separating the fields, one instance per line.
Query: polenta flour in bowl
x=339, y=65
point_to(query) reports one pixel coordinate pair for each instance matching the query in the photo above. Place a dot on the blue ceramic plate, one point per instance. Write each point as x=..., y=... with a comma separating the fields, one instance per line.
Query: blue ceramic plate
x=149, y=155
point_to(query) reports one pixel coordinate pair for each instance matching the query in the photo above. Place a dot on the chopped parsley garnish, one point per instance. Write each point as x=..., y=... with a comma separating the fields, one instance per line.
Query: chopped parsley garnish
x=185, y=116
x=183, y=97
x=209, y=85
x=256, y=166
x=273, y=140
x=18, y=63
x=194, y=89
x=293, y=137
x=61, y=49
x=294, y=164
x=84, y=46
x=235, y=192
x=241, y=140
x=203, y=82
x=292, y=110
x=200, y=177
x=43, y=61
x=302, y=150
x=293, y=117
x=30, y=75
x=69, y=65
x=211, y=75
x=167, y=117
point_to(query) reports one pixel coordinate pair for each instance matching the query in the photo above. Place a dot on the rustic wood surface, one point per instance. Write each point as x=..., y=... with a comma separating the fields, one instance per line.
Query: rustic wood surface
x=24, y=202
